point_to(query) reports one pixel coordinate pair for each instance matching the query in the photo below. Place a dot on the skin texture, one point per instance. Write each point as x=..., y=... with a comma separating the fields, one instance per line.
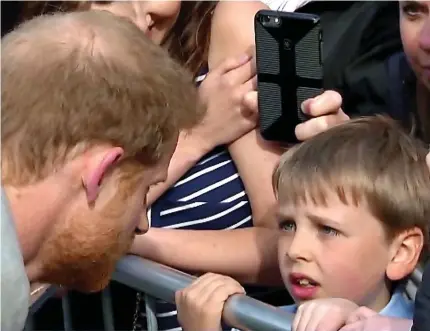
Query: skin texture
x=320, y=242
x=222, y=92
x=80, y=216
x=154, y=18
x=85, y=229
x=415, y=33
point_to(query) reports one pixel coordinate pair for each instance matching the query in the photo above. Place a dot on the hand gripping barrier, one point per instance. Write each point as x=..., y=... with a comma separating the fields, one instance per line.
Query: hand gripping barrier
x=162, y=282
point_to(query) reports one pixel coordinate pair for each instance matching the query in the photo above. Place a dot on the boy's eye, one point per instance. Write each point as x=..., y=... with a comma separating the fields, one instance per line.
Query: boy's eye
x=287, y=226
x=329, y=230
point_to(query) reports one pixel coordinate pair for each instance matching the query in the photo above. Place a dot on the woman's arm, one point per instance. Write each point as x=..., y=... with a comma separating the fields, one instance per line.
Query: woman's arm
x=222, y=123
x=233, y=33
x=248, y=255
x=188, y=152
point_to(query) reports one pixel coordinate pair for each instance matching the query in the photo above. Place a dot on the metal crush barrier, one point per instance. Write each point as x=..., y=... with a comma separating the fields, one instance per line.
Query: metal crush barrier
x=162, y=282
x=159, y=281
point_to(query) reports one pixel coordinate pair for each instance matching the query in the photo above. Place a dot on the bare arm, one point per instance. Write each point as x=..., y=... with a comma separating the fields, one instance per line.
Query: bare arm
x=188, y=151
x=249, y=255
x=256, y=159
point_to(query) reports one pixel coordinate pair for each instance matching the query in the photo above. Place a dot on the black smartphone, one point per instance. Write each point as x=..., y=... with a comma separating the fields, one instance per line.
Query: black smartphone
x=289, y=70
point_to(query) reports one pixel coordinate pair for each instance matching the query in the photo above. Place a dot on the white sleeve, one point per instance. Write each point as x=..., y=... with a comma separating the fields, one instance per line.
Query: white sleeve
x=285, y=5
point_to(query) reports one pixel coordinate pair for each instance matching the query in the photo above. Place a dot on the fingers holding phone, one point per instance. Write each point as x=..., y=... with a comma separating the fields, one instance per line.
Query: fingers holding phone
x=325, y=111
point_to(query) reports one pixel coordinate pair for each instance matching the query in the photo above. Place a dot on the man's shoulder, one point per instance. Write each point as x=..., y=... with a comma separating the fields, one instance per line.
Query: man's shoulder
x=14, y=282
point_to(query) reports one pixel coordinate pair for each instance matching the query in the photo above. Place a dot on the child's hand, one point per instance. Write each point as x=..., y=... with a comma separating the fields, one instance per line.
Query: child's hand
x=323, y=314
x=201, y=304
x=365, y=319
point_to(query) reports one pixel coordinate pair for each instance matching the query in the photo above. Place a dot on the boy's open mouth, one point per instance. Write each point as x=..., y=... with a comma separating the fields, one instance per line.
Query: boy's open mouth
x=305, y=282
x=302, y=280
x=303, y=287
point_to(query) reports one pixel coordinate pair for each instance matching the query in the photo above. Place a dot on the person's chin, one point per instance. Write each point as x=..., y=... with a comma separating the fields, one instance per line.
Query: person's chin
x=95, y=286
x=94, y=282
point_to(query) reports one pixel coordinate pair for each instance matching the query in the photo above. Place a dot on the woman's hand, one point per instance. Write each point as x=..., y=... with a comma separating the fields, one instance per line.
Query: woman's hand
x=222, y=93
x=326, y=112
x=325, y=109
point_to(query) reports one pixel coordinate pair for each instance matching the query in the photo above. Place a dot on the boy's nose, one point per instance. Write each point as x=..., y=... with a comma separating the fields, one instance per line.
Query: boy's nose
x=300, y=247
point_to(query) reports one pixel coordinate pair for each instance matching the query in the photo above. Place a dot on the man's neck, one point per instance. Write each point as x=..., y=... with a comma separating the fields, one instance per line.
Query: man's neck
x=34, y=210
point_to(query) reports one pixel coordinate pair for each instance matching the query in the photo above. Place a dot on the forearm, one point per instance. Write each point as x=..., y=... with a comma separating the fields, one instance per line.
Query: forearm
x=189, y=151
x=256, y=160
x=249, y=255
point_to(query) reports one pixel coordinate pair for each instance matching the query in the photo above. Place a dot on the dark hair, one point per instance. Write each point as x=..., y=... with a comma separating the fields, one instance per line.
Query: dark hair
x=188, y=40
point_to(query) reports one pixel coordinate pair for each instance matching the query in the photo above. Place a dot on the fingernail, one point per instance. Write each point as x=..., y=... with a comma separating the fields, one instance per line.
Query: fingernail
x=305, y=105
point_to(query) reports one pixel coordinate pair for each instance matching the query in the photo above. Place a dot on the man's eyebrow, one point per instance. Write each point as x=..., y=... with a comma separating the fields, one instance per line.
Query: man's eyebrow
x=417, y=3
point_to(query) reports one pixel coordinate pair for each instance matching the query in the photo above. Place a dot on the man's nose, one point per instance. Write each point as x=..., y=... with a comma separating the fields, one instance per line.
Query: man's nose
x=424, y=38
x=300, y=248
x=144, y=224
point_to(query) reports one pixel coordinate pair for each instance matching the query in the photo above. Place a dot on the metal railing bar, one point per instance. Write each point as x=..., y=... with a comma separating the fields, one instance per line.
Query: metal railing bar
x=108, y=321
x=150, y=309
x=49, y=292
x=67, y=314
x=162, y=282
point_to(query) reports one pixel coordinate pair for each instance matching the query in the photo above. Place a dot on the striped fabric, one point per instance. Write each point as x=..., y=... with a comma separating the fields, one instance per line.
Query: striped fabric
x=210, y=196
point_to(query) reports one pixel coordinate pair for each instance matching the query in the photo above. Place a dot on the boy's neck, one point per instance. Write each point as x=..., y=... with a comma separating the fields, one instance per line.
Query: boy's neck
x=379, y=300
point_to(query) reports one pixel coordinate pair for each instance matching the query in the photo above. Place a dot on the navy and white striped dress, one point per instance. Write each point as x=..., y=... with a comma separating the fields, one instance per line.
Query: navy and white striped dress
x=210, y=196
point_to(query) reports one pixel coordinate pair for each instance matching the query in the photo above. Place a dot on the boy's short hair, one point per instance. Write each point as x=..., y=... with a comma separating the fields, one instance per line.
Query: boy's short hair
x=70, y=81
x=370, y=160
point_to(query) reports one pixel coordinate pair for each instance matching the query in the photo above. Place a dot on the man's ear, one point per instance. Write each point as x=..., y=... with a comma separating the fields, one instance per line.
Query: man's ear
x=406, y=250
x=98, y=164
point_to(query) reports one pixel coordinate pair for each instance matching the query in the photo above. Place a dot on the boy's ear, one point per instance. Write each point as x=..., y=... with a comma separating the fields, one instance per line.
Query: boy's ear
x=98, y=163
x=406, y=250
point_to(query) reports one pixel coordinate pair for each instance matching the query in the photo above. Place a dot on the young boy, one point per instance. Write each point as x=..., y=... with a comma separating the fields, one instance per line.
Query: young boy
x=354, y=205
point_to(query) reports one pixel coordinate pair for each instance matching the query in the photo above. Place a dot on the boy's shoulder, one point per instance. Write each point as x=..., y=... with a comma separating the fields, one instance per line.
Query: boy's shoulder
x=399, y=306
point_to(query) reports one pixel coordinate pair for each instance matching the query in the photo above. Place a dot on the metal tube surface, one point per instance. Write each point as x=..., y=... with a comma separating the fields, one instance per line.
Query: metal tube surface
x=162, y=282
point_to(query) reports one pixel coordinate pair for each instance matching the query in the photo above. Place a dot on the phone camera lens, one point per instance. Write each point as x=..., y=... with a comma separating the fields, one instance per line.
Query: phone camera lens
x=264, y=19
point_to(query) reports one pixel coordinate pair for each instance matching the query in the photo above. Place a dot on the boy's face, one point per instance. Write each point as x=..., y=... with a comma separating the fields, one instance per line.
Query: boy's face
x=333, y=250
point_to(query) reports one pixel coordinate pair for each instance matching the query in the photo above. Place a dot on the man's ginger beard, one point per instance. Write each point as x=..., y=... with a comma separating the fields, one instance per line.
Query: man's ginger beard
x=82, y=251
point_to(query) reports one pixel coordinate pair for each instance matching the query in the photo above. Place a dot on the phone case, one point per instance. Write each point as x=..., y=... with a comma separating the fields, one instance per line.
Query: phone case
x=289, y=70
